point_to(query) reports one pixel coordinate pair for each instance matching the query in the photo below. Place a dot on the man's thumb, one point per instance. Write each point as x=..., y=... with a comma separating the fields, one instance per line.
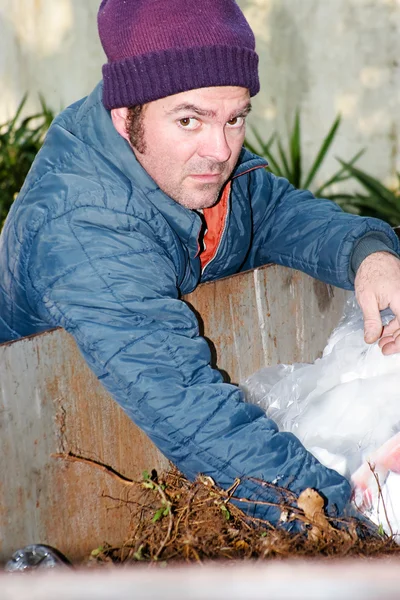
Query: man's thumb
x=372, y=324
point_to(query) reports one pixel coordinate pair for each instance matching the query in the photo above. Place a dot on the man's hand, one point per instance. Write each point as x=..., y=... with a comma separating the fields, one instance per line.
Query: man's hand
x=377, y=286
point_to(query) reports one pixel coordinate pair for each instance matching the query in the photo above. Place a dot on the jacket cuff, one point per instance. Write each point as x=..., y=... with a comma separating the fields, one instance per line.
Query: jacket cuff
x=368, y=244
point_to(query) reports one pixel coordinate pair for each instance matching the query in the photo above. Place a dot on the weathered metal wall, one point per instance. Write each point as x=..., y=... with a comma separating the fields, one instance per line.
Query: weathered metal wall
x=266, y=316
x=51, y=404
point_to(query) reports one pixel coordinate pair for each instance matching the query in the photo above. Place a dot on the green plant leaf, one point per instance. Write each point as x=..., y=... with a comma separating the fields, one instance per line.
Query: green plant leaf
x=265, y=146
x=97, y=551
x=295, y=152
x=338, y=196
x=326, y=144
x=265, y=151
x=9, y=125
x=138, y=555
x=286, y=171
x=148, y=485
x=273, y=164
x=225, y=512
x=252, y=148
x=20, y=140
x=158, y=514
x=373, y=186
x=341, y=175
x=381, y=211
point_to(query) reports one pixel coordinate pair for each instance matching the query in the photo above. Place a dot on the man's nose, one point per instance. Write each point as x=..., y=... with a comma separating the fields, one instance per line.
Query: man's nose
x=214, y=145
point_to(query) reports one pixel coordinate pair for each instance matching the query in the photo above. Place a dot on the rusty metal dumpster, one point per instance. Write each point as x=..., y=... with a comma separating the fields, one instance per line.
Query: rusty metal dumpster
x=67, y=449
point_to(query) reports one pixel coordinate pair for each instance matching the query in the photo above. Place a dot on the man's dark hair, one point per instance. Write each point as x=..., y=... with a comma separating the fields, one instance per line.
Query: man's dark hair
x=135, y=128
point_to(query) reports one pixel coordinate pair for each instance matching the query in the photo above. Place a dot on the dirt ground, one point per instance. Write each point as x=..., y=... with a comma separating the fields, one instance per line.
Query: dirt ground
x=175, y=520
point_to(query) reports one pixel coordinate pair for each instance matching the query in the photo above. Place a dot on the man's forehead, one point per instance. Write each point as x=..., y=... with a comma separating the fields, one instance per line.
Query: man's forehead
x=209, y=101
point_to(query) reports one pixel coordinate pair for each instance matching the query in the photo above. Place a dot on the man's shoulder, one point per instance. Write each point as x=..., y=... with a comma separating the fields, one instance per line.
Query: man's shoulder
x=83, y=161
x=70, y=179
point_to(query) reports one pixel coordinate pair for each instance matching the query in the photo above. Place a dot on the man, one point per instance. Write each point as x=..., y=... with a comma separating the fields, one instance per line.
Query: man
x=142, y=191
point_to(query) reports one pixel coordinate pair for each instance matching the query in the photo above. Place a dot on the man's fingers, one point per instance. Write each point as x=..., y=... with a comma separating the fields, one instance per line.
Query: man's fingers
x=390, y=344
x=391, y=327
x=372, y=320
x=390, y=341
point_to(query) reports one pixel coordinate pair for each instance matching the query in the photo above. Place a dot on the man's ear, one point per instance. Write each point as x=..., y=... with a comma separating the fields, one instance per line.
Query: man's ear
x=119, y=117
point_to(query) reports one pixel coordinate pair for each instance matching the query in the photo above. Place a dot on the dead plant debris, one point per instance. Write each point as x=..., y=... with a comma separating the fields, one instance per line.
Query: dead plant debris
x=175, y=520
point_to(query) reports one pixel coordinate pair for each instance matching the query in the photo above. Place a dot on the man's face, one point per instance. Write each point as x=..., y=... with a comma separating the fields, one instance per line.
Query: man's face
x=192, y=141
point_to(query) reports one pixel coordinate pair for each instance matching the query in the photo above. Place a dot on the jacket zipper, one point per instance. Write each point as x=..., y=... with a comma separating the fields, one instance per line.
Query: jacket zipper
x=226, y=218
x=222, y=235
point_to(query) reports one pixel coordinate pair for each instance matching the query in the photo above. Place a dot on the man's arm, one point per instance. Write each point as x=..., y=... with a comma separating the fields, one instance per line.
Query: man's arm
x=115, y=291
x=295, y=229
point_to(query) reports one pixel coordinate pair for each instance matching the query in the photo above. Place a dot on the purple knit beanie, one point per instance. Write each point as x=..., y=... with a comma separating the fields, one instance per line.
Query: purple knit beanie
x=157, y=48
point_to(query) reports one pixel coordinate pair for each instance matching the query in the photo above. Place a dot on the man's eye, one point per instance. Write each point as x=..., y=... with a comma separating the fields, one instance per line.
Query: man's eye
x=236, y=122
x=188, y=123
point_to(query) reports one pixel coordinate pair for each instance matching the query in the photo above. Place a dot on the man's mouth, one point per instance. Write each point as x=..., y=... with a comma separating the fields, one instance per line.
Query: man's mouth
x=207, y=177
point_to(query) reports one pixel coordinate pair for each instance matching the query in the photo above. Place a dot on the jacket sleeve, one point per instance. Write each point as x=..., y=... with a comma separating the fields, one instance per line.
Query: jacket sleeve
x=115, y=291
x=293, y=228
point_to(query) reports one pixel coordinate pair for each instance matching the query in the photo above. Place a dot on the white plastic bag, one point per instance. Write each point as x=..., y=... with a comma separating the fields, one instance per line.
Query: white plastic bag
x=345, y=409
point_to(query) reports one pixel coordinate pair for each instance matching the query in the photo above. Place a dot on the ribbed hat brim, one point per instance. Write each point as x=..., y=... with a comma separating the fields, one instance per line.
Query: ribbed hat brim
x=148, y=77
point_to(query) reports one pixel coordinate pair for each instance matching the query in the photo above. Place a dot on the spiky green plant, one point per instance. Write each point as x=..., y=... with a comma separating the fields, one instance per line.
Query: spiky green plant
x=289, y=163
x=20, y=140
x=379, y=201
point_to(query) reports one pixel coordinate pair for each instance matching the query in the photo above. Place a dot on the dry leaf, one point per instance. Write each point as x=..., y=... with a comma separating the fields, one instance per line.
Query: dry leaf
x=312, y=504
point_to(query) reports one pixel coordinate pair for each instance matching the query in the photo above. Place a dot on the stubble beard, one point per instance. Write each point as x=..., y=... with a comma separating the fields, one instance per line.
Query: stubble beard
x=208, y=195
x=193, y=194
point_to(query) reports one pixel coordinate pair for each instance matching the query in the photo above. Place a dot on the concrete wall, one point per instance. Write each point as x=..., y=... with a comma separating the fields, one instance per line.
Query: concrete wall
x=330, y=56
x=323, y=56
x=48, y=46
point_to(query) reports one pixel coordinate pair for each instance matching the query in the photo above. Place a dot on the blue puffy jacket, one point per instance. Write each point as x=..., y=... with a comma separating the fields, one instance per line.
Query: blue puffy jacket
x=93, y=245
